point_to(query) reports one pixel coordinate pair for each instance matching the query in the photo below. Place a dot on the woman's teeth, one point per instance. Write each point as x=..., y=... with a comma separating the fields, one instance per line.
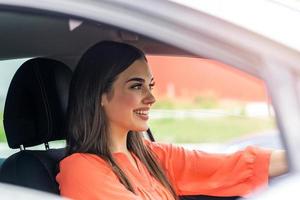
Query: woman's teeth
x=140, y=112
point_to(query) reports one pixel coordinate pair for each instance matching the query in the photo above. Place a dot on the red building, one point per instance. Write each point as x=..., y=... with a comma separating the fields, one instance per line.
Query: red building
x=183, y=77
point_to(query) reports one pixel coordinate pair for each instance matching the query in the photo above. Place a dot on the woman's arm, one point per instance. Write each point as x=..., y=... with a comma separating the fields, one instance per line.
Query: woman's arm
x=278, y=163
x=195, y=172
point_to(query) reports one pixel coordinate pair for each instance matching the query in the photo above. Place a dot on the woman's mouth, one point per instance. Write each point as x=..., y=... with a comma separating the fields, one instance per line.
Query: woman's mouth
x=142, y=114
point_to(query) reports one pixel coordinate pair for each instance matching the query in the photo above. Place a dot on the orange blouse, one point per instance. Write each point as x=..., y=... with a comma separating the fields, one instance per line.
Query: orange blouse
x=87, y=176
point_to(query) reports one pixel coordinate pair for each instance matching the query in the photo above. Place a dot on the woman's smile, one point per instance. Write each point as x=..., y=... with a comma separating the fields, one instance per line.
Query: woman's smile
x=142, y=113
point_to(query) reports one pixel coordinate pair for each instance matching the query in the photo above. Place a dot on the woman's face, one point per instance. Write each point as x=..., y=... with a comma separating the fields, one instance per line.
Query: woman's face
x=127, y=104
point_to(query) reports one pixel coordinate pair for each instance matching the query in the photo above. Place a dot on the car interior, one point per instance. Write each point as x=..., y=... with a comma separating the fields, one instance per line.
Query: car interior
x=36, y=101
x=34, y=114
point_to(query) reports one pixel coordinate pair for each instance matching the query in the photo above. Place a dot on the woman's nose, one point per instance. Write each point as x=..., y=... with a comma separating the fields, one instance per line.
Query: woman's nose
x=149, y=99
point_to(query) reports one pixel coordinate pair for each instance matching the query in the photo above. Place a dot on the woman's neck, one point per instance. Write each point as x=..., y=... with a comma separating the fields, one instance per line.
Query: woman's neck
x=119, y=144
x=118, y=141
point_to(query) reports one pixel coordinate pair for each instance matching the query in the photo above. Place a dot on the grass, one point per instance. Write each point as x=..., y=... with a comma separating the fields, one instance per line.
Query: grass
x=207, y=130
x=2, y=133
x=190, y=130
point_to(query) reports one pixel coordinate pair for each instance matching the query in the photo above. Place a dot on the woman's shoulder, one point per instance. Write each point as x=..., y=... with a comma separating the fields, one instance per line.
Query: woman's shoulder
x=156, y=146
x=86, y=161
x=82, y=169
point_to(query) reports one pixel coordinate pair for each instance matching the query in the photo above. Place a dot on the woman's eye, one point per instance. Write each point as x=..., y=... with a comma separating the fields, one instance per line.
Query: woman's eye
x=151, y=86
x=137, y=87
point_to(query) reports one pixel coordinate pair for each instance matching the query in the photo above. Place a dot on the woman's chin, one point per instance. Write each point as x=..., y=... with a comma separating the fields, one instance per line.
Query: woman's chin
x=140, y=128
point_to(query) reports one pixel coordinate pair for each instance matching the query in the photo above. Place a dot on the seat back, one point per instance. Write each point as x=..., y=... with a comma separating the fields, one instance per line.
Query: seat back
x=34, y=114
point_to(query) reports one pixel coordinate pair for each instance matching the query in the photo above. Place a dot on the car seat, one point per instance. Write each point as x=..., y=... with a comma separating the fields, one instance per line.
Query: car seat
x=34, y=114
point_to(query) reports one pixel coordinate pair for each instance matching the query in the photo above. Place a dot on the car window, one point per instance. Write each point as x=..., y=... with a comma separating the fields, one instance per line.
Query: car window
x=208, y=105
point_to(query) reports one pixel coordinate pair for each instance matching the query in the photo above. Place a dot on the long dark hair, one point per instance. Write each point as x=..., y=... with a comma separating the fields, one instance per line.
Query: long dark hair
x=87, y=127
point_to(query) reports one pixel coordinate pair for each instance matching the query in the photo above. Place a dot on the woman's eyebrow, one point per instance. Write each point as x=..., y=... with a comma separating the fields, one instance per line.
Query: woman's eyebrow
x=138, y=79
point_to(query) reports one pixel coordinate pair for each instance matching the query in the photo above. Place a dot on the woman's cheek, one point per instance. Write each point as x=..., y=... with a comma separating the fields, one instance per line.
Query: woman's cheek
x=131, y=102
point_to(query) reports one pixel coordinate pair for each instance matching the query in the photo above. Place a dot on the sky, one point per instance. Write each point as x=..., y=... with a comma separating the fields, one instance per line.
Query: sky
x=275, y=19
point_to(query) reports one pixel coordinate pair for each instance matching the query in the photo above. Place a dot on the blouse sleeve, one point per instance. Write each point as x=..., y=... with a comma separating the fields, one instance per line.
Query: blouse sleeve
x=195, y=172
x=81, y=177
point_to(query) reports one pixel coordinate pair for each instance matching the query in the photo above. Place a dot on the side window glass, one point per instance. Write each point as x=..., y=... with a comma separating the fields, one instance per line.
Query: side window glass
x=208, y=105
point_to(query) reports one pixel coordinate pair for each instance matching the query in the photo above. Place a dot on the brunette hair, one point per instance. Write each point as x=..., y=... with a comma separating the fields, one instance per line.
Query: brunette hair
x=87, y=123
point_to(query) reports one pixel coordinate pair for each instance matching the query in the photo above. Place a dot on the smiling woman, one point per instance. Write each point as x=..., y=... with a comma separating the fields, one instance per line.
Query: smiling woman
x=116, y=81
x=110, y=96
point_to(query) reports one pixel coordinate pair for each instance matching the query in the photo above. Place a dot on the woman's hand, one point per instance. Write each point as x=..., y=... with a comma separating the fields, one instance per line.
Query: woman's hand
x=278, y=163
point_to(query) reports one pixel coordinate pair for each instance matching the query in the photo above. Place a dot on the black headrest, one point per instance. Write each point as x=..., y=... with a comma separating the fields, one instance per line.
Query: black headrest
x=36, y=103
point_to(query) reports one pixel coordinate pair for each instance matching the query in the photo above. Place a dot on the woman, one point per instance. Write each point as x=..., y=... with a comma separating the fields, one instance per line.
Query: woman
x=110, y=97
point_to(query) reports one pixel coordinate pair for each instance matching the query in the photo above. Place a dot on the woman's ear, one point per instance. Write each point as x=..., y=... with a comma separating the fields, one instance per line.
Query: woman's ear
x=103, y=99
